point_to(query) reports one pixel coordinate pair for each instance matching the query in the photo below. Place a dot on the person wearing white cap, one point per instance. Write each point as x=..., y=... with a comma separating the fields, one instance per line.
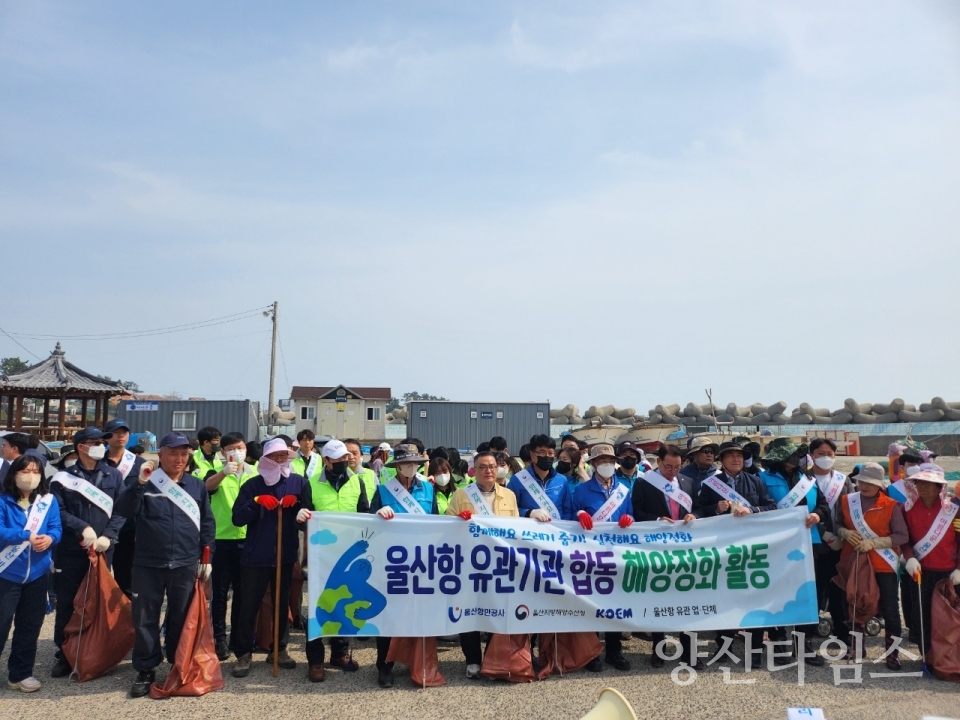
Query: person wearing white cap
x=336, y=489
x=871, y=523
x=933, y=552
x=276, y=489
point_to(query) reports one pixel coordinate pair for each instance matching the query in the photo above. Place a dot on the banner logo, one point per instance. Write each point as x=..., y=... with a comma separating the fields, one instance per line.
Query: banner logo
x=521, y=612
x=454, y=618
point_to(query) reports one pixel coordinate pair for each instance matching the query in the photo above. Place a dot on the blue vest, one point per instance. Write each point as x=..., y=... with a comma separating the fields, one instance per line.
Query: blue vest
x=778, y=489
x=420, y=490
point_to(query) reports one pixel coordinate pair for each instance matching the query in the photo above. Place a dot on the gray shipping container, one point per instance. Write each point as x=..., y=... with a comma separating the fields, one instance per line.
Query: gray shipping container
x=465, y=425
x=157, y=416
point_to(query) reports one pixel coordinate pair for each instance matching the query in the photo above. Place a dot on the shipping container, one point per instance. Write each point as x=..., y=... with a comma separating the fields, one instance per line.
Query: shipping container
x=189, y=416
x=464, y=425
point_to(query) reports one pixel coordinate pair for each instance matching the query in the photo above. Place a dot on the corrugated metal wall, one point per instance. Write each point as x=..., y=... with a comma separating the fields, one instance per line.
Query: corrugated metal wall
x=225, y=415
x=450, y=424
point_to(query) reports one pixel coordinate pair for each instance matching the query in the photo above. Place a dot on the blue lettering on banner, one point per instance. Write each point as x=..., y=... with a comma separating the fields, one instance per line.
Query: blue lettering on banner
x=615, y=613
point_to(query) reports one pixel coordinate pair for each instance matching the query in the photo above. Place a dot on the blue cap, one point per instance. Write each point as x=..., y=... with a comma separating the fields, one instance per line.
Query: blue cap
x=115, y=425
x=90, y=433
x=174, y=439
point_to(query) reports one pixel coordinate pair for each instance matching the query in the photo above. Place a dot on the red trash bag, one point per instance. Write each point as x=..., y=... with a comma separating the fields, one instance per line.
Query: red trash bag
x=264, y=624
x=100, y=632
x=508, y=658
x=944, y=651
x=420, y=655
x=860, y=584
x=570, y=652
x=196, y=669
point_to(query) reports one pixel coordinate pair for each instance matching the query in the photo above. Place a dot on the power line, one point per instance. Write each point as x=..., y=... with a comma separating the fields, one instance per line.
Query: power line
x=284, y=361
x=130, y=334
x=19, y=343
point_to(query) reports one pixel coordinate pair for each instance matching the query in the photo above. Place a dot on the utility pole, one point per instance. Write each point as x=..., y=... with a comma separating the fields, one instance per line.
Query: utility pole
x=273, y=364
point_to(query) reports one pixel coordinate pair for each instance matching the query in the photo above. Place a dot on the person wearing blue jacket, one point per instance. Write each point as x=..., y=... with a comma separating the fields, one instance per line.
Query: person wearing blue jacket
x=590, y=502
x=555, y=486
x=29, y=528
x=87, y=492
x=262, y=498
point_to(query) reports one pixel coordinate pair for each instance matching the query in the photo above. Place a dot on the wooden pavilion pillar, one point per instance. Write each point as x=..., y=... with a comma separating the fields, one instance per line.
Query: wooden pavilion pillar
x=9, y=412
x=96, y=410
x=62, y=420
x=46, y=413
x=106, y=410
x=19, y=423
x=83, y=413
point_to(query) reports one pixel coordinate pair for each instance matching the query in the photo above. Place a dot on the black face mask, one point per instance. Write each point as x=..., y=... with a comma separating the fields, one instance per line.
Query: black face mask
x=338, y=470
x=628, y=463
x=563, y=467
x=544, y=462
x=214, y=448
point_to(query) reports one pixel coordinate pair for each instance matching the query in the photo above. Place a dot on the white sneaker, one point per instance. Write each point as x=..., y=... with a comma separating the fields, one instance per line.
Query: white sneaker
x=473, y=672
x=30, y=684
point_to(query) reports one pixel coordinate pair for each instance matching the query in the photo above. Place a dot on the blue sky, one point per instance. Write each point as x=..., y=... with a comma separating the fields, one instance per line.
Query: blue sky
x=585, y=202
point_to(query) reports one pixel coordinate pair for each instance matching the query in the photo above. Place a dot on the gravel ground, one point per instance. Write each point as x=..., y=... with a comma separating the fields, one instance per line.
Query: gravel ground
x=355, y=695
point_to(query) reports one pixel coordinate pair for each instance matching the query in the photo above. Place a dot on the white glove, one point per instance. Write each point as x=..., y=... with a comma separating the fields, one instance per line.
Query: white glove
x=385, y=512
x=146, y=470
x=913, y=567
x=540, y=515
x=829, y=537
x=303, y=515
x=230, y=468
x=955, y=577
x=102, y=544
x=204, y=571
x=88, y=537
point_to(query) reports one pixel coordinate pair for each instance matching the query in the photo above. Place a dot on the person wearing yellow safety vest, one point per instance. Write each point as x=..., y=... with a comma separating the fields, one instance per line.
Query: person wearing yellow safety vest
x=336, y=489
x=206, y=456
x=413, y=495
x=224, y=487
x=307, y=462
x=355, y=462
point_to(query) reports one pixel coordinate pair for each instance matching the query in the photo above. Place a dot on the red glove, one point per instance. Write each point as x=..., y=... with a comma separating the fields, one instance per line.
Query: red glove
x=268, y=501
x=586, y=522
x=289, y=501
x=625, y=521
x=206, y=555
x=466, y=514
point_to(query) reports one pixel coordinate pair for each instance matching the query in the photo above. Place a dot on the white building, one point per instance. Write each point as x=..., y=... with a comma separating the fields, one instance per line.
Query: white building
x=341, y=411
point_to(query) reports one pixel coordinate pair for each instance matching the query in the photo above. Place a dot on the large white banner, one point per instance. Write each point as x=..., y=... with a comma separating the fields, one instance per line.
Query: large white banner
x=418, y=576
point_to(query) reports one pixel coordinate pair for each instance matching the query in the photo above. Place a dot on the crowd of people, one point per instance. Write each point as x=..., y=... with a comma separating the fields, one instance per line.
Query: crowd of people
x=211, y=507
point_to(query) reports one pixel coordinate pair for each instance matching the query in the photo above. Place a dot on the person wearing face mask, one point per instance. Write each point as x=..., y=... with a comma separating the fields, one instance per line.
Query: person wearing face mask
x=336, y=489
x=503, y=468
x=788, y=487
x=600, y=500
x=224, y=488
x=542, y=493
x=409, y=493
x=702, y=453
x=833, y=485
x=388, y=472
x=631, y=464
x=442, y=478
x=87, y=494
x=207, y=456
x=482, y=497
x=569, y=465
x=751, y=457
x=29, y=529
x=933, y=550
x=175, y=534
x=871, y=523
x=274, y=490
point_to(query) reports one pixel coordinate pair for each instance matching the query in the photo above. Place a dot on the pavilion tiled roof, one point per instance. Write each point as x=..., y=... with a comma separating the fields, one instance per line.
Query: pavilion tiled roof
x=56, y=374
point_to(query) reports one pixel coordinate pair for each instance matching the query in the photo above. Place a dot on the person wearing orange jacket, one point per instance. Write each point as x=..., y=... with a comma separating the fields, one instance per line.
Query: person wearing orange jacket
x=871, y=523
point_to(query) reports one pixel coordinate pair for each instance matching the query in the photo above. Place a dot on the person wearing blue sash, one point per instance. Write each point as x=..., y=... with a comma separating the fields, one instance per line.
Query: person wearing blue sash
x=541, y=477
x=702, y=454
x=780, y=475
x=89, y=518
x=29, y=528
x=408, y=493
x=595, y=501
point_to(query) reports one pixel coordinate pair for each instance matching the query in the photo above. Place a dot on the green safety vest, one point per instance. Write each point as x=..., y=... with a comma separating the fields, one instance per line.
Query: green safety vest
x=221, y=502
x=299, y=466
x=203, y=467
x=442, y=502
x=326, y=499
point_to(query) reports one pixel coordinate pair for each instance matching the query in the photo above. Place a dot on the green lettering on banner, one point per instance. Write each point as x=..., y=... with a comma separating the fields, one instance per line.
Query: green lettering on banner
x=690, y=569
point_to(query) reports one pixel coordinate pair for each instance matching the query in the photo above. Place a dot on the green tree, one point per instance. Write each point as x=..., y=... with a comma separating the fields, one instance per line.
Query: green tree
x=11, y=365
x=128, y=384
x=408, y=396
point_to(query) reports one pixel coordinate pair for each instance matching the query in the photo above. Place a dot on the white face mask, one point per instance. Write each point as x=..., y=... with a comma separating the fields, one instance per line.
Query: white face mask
x=824, y=463
x=501, y=473
x=408, y=470
x=441, y=480
x=70, y=463
x=27, y=482
x=236, y=456
x=97, y=452
x=606, y=470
